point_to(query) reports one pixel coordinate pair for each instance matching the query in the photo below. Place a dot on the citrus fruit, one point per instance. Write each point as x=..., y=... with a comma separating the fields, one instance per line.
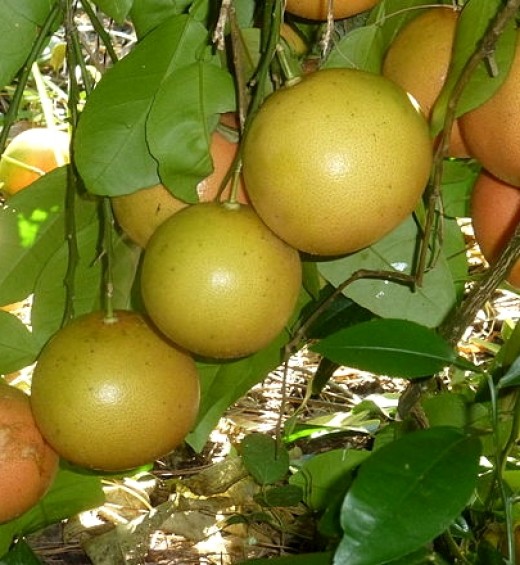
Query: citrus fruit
x=491, y=131
x=428, y=37
x=27, y=463
x=113, y=394
x=495, y=213
x=140, y=213
x=30, y=155
x=317, y=9
x=337, y=161
x=218, y=282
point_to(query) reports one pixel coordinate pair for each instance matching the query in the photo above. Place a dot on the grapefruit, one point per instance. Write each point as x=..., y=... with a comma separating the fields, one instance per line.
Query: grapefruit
x=491, y=131
x=317, y=9
x=30, y=155
x=427, y=38
x=337, y=161
x=495, y=213
x=218, y=282
x=113, y=394
x=140, y=213
x=27, y=463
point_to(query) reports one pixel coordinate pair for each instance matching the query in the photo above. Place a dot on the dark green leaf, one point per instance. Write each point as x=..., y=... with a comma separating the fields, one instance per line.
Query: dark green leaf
x=18, y=349
x=146, y=15
x=326, y=474
x=361, y=48
x=396, y=252
x=117, y=9
x=458, y=179
x=396, y=348
x=512, y=376
x=407, y=493
x=264, y=459
x=473, y=23
x=111, y=145
x=200, y=90
x=19, y=25
x=282, y=496
x=20, y=554
x=324, y=558
x=31, y=230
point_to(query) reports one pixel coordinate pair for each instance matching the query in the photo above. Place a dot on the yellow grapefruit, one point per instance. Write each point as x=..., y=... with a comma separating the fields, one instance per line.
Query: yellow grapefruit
x=317, y=9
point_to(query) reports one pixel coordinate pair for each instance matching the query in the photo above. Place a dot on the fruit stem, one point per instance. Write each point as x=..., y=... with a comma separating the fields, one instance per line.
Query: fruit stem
x=37, y=48
x=45, y=101
x=290, y=69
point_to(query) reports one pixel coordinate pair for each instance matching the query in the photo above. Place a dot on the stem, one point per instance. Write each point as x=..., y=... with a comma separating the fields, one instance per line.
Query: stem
x=45, y=101
x=108, y=248
x=100, y=30
x=25, y=72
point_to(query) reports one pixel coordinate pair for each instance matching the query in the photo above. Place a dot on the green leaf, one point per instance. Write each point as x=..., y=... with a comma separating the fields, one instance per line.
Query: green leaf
x=407, y=493
x=32, y=229
x=396, y=348
x=71, y=492
x=324, y=558
x=458, y=178
x=111, y=145
x=427, y=305
x=19, y=26
x=200, y=90
x=326, y=474
x=264, y=459
x=18, y=349
x=224, y=383
x=473, y=23
x=117, y=9
x=361, y=48
x=146, y=15
x=20, y=554
x=282, y=496
x=512, y=376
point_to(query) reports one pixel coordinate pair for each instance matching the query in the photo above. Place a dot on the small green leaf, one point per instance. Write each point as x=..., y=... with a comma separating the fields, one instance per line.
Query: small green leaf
x=324, y=558
x=361, y=48
x=407, y=493
x=282, y=496
x=18, y=349
x=117, y=9
x=146, y=15
x=326, y=474
x=396, y=348
x=20, y=554
x=266, y=461
x=512, y=376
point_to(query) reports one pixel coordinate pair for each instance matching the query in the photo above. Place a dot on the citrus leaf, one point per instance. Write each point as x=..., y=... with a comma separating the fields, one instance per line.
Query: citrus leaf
x=512, y=376
x=473, y=23
x=282, y=496
x=200, y=90
x=266, y=461
x=31, y=230
x=111, y=146
x=418, y=484
x=19, y=25
x=396, y=348
x=117, y=9
x=361, y=48
x=427, y=305
x=146, y=15
x=20, y=554
x=324, y=558
x=18, y=349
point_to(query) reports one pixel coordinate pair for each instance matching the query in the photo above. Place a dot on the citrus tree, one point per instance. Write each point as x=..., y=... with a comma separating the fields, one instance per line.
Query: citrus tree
x=242, y=181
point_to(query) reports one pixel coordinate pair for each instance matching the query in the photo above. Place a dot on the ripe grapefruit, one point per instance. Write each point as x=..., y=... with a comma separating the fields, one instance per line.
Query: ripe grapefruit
x=113, y=395
x=218, y=282
x=30, y=155
x=140, y=213
x=419, y=58
x=27, y=463
x=491, y=131
x=317, y=9
x=337, y=161
x=495, y=212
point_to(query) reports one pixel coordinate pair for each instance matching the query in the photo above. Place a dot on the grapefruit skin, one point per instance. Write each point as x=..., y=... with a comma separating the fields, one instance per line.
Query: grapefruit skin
x=495, y=212
x=27, y=462
x=139, y=214
x=218, y=282
x=428, y=37
x=42, y=149
x=337, y=161
x=317, y=9
x=113, y=395
x=491, y=131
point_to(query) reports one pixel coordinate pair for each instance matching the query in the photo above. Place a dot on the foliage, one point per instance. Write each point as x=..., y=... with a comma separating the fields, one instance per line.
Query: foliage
x=439, y=462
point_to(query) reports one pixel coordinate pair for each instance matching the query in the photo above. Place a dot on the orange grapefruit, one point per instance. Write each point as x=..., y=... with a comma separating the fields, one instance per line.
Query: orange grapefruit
x=317, y=9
